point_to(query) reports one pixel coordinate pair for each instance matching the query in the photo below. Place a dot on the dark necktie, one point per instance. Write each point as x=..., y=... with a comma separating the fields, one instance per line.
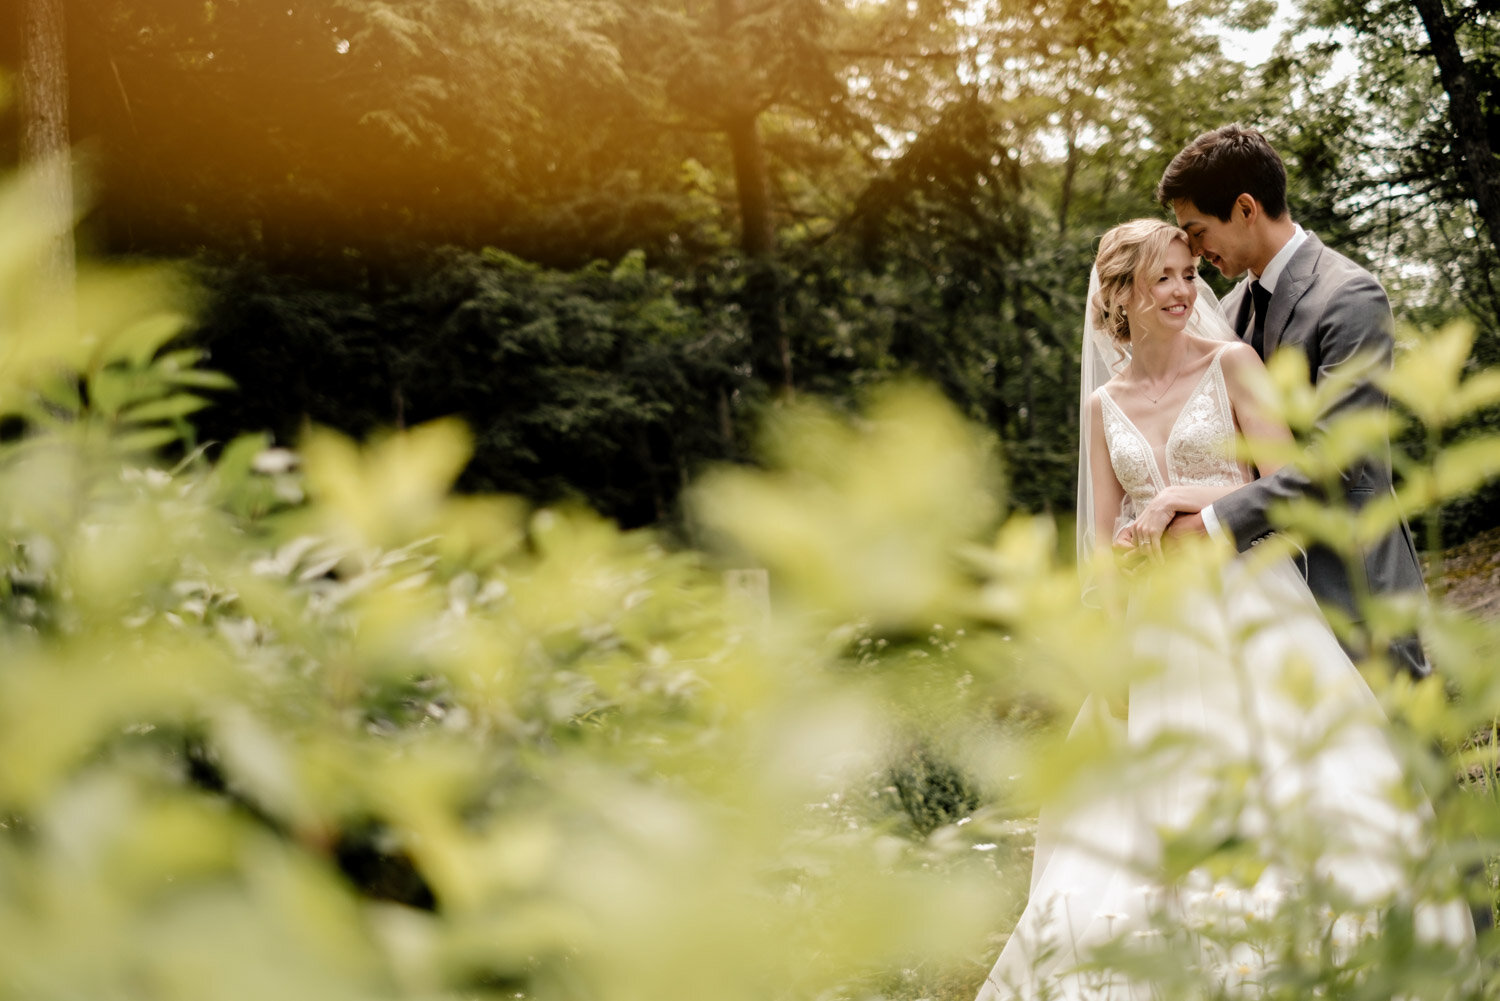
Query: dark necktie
x=1262, y=297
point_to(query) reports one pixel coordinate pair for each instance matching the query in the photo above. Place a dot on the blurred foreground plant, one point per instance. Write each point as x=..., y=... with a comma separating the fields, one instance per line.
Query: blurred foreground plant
x=309, y=725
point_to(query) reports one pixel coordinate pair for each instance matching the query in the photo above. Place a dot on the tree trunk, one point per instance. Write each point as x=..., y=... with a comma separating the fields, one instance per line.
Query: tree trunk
x=1465, y=113
x=45, y=148
x=752, y=185
x=1070, y=172
x=770, y=348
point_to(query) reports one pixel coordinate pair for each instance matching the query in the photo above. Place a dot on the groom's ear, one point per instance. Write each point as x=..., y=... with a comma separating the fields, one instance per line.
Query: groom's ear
x=1246, y=208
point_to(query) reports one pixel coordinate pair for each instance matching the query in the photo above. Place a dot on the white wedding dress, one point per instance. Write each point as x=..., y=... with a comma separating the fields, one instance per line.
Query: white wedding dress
x=1309, y=745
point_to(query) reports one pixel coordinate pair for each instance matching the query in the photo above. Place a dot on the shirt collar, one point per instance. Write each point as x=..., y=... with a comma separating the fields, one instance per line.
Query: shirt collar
x=1272, y=273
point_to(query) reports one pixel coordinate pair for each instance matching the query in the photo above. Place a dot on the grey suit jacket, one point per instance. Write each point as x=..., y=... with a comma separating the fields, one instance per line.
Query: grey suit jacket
x=1334, y=311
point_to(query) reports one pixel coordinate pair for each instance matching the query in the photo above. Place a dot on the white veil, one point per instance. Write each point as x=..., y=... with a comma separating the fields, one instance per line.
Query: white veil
x=1102, y=357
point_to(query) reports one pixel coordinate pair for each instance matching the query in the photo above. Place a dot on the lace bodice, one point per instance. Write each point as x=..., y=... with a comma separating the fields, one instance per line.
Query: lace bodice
x=1198, y=450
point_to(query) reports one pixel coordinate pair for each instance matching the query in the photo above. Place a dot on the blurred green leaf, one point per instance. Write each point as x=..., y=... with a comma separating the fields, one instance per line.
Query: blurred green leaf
x=314, y=706
x=1428, y=381
x=167, y=408
x=146, y=440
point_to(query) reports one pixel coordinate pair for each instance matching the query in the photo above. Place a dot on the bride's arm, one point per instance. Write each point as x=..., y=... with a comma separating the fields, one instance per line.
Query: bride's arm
x=1108, y=494
x=1248, y=384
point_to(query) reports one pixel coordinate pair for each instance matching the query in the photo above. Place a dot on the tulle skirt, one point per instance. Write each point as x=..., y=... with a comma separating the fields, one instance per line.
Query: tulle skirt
x=1255, y=730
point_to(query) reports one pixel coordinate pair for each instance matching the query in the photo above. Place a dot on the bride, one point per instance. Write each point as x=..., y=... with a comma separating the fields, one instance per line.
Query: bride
x=1248, y=678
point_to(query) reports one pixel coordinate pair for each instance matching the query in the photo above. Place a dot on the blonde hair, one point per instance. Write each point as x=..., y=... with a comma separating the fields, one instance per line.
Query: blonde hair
x=1127, y=253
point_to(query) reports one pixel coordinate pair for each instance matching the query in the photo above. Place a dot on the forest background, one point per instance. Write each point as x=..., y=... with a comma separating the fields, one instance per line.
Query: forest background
x=607, y=234
x=424, y=744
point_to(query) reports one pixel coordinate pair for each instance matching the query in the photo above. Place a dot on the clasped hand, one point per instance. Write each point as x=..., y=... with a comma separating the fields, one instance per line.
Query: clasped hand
x=1143, y=538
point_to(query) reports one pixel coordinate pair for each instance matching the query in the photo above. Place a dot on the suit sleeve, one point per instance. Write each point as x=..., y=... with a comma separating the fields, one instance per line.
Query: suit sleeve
x=1355, y=328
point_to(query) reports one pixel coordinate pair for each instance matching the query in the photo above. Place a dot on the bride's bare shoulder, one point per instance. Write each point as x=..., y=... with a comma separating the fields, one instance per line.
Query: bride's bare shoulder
x=1206, y=347
x=1237, y=357
x=1118, y=383
x=1096, y=398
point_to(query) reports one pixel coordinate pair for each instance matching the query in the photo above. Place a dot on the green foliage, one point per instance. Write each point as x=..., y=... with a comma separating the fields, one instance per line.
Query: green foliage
x=363, y=123
x=608, y=383
x=566, y=760
x=100, y=358
x=410, y=743
x=1376, y=154
x=933, y=793
x=617, y=383
x=936, y=175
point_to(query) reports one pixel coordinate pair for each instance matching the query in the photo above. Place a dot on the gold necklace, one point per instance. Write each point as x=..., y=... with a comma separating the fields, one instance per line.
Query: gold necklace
x=1170, y=383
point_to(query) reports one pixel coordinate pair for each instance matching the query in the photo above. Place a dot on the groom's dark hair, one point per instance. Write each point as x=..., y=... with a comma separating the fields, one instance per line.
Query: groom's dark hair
x=1219, y=166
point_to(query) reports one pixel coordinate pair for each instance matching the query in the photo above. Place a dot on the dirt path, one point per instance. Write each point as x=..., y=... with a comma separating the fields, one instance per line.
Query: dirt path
x=1470, y=577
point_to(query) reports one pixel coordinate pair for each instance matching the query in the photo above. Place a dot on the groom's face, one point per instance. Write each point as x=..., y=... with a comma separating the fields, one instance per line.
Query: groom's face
x=1224, y=243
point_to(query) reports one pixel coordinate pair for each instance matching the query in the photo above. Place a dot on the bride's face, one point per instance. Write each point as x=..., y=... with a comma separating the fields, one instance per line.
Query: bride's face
x=1169, y=293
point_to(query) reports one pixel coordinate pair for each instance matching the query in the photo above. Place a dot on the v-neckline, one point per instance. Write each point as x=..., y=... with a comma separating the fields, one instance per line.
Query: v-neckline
x=1160, y=474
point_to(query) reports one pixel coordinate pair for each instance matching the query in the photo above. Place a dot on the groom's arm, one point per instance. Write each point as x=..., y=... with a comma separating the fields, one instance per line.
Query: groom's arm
x=1355, y=328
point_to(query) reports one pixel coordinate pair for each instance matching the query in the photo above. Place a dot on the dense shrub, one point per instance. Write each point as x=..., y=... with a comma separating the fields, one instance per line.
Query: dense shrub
x=599, y=384
x=615, y=383
x=310, y=724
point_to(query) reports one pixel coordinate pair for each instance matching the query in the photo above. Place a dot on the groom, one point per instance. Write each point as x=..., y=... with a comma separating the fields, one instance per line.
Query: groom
x=1228, y=189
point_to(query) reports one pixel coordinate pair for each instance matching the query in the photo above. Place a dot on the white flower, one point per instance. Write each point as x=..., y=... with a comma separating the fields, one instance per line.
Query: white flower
x=1270, y=892
x=274, y=460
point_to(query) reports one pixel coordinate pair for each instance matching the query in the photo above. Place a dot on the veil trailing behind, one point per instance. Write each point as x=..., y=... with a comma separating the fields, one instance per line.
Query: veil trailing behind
x=1253, y=788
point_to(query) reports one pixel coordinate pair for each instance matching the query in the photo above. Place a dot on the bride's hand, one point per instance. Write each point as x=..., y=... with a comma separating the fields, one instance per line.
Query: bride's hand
x=1128, y=549
x=1150, y=525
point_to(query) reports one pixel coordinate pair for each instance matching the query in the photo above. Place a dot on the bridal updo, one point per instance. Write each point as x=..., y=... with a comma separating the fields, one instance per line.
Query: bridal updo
x=1128, y=251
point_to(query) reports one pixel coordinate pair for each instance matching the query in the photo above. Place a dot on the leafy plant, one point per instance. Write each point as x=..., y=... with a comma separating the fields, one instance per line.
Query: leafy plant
x=317, y=706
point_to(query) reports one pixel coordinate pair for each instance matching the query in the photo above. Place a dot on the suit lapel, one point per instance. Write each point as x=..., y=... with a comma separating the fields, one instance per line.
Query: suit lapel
x=1301, y=271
